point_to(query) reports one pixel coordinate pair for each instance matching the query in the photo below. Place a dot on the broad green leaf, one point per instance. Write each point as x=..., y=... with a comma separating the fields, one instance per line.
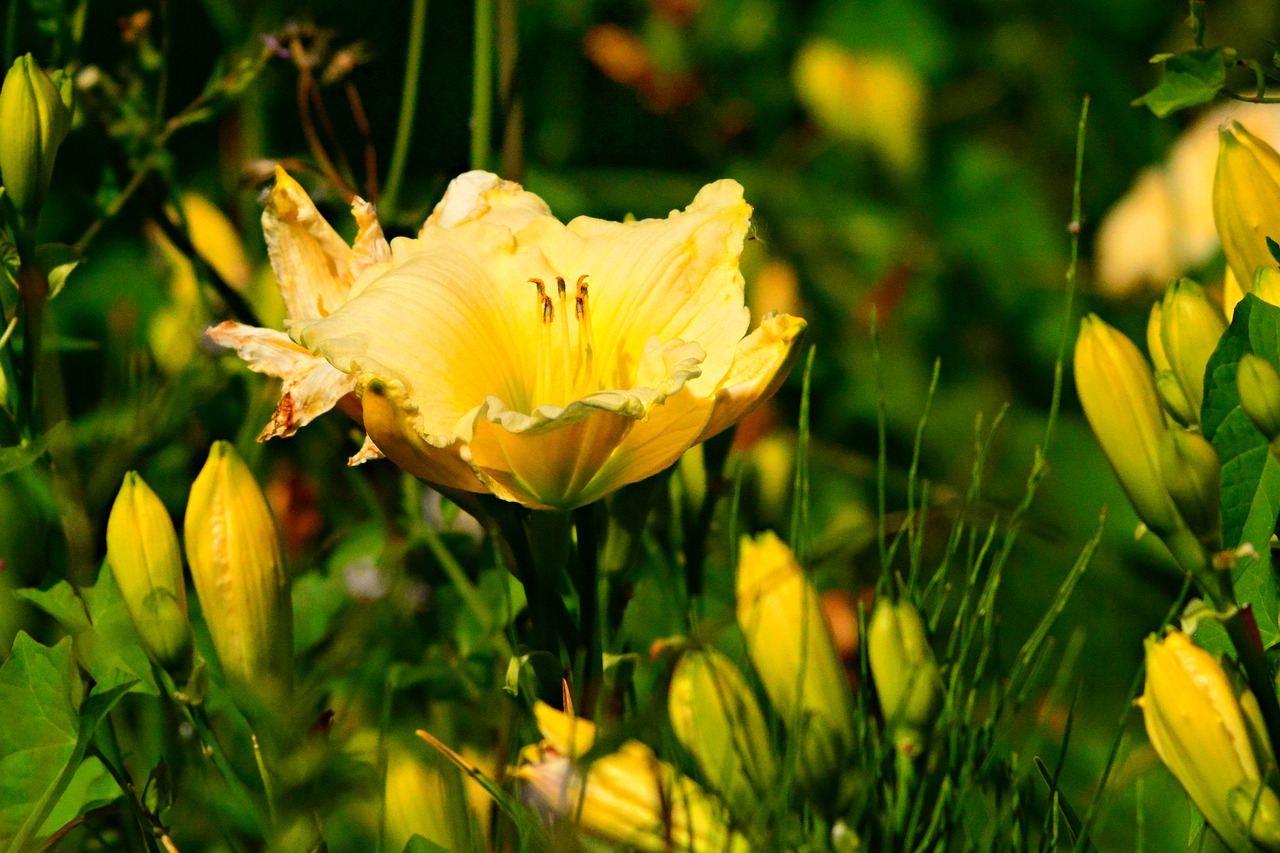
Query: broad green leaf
x=1190, y=78
x=1250, y=474
x=90, y=787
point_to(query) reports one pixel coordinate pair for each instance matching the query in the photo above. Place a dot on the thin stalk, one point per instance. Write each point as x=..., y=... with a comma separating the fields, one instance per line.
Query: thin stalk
x=268, y=786
x=509, y=91
x=458, y=577
x=408, y=104
x=482, y=85
x=366, y=140
x=590, y=628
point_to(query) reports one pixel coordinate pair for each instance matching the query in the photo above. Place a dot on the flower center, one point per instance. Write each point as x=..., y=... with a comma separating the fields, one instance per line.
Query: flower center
x=565, y=369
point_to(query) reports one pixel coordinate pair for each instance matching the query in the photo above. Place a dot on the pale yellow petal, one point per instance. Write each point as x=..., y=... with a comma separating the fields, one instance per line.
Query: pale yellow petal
x=389, y=420
x=370, y=246
x=760, y=365
x=367, y=453
x=311, y=385
x=483, y=195
x=311, y=262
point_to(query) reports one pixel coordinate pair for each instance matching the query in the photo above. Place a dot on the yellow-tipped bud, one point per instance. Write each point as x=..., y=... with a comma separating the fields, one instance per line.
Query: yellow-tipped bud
x=142, y=550
x=790, y=646
x=627, y=798
x=905, y=672
x=1246, y=200
x=1168, y=387
x=1119, y=399
x=1258, y=386
x=424, y=798
x=1266, y=285
x=35, y=113
x=716, y=718
x=233, y=549
x=1190, y=326
x=1199, y=729
x=1193, y=476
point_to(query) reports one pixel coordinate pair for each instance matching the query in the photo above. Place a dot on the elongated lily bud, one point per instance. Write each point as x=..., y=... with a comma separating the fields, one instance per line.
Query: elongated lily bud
x=716, y=718
x=35, y=112
x=905, y=673
x=1258, y=385
x=1257, y=808
x=627, y=798
x=791, y=649
x=1193, y=476
x=1190, y=326
x=424, y=798
x=142, y=550
x=1168, y=387
x=1120, y=402
x=1266, y=285
x=1198, y=728
x=233, y=549
x=1246, y=200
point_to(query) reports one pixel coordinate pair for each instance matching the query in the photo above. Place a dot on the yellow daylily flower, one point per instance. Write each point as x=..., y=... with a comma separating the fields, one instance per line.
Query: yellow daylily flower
x=315, y=269
x=548, y=363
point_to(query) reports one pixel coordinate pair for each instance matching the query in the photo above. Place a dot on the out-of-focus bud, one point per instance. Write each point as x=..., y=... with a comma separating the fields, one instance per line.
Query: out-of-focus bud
x=233, y=549
x=627, y=798
x=1246, y=200
x=1167, y=385
x=424, y=798
x=1231, y=294
x=1119, y=399
x=791, y=649
x=1193, y=476
x=1258, y=386
x=905, y=672
x=1266, y=285
x=1257, y=808
x=35, y=112
x=1190, y=326
x=875, y=99
x=142, y=550
x=1199, y=729
x=716, y=718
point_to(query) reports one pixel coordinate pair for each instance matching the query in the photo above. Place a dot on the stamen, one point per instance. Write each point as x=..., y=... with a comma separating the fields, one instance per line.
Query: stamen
x=577, y=369
x=567, y=380
x=586, y=339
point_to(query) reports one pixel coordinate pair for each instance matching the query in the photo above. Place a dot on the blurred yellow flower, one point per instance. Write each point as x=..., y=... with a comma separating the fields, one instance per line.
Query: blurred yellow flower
x=1207, y=738
x=874, y=99
x=627, y=797
x=504, y=351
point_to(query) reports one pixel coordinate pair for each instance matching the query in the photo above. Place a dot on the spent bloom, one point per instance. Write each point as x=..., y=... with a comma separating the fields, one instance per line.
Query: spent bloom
x=1210, y=740
x=628, y=797
x=504, y=351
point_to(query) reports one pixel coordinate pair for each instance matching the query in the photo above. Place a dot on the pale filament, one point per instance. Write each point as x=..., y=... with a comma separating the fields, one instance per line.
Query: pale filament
x=574, y=375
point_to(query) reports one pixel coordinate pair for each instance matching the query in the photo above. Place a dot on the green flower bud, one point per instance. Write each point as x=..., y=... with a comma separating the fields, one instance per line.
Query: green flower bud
x=142, y=550
x=905, y=672
x=1167, y=385
x=1256, y=808
x=1193, y=476
x=1190, y=326
x=233, y=549
x=1258, y=385
x=35, y=113
x=716, y=718
x=1246, y=200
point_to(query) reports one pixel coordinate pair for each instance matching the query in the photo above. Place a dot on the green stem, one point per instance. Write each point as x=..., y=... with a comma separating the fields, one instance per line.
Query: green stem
x=1242, y=628
x=482, y=85
x=590, y=629
x=268, y=787
x=508, y=81
x=408, y=106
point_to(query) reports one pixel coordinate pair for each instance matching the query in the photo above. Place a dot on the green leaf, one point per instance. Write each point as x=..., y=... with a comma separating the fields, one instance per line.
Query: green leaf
x=418, y=844
x=1250, y=474
x=90, y=787
x=57, y=260
x=1190, y=78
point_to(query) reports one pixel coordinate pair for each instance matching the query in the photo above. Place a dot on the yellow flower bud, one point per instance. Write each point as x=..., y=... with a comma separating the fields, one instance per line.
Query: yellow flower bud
x=233, y=549
x=1120, y=402
x=1167, y=386
x=628, y=797
x=1258, y=809
x=1231, y=294
x=1266, y=285
x=1246, y=200
x=791, y=649
x=1258, y=385
x=35, y=112
x=1200, y=731
x=715, y=716
x=905, y=672
x=424, y=798
x=1190, y=326
x=1193, y=476
x=142, y=550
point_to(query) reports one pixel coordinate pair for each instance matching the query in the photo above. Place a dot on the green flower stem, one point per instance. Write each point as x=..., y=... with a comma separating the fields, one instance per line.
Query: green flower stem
x=408, y=107
x=1242, y=628
x=482, y=85
x=590, y=629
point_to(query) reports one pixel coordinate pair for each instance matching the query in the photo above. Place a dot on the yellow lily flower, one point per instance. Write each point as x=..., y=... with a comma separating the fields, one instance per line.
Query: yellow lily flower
x=504, y=351
x=627, y=797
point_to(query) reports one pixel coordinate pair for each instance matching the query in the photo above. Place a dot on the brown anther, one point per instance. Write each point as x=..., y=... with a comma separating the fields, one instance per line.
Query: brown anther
x=560, y=284
x=542, y=288
x=579, y=307
x=548, y=310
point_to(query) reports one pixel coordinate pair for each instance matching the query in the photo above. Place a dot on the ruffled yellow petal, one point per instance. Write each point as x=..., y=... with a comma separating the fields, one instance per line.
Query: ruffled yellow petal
x=389, y=420
x=761, y=362
x=481, y=195
x=311, y=385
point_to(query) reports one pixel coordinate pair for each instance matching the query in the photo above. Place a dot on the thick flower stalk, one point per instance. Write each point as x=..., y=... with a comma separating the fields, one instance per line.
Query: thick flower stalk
x=504, y=351
x=233, y=549
x=627, y=798
x=1211, y=741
